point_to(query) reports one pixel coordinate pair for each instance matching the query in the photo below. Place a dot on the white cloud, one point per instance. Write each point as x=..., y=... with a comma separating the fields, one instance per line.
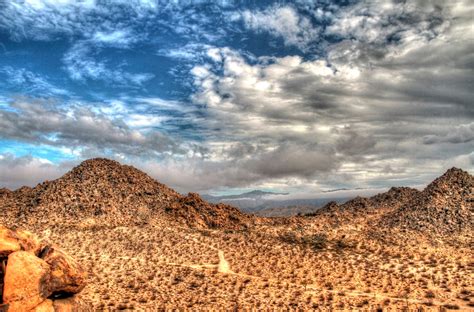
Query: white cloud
x=46, y=4
x=284, y=22
x=375, y=21
x=30, y=82
x=81, y=65
x=26, y=170
x=378, y=110
x=41, y=122
x=366, y=110
x=116, y=38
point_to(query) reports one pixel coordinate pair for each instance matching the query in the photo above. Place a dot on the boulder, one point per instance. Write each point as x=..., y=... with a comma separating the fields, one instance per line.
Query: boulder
x=45, y=306
x=66, y=274
x=25, y=281
x=8, y=242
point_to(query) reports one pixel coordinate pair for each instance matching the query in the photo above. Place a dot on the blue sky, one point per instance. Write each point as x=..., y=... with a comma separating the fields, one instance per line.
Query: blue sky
x=223, y=96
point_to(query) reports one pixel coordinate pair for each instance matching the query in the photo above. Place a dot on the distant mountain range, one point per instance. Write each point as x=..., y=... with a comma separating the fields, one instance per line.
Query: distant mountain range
x=263, y=203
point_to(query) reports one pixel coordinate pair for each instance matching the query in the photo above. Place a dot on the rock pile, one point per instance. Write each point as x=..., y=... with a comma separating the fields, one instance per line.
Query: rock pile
x=444, y=207
x=103, y=192
x=35, y=276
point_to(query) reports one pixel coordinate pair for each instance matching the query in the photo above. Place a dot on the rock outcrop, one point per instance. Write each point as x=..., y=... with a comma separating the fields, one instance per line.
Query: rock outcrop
x=34, y=273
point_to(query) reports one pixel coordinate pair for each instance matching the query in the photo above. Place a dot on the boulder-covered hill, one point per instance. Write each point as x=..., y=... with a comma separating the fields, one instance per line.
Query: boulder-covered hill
x=444, y=207
x=443, y=210
x=104, y=192
x=394, y=198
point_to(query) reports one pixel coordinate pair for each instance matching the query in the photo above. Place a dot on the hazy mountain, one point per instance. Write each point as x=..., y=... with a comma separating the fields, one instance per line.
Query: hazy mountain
x=265, y=204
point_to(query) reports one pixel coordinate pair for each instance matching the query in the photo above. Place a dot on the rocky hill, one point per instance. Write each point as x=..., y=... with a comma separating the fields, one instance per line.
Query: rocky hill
x=102, y=191
x=444, y=207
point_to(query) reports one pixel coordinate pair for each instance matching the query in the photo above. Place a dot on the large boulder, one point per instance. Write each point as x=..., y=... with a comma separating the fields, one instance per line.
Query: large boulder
x=11, y=241
x=33, y=274
x=8, y=242
x=67, y=276
x=25, y=283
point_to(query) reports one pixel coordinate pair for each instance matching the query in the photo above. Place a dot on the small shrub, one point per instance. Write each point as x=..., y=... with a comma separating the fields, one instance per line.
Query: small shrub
x=319, y=241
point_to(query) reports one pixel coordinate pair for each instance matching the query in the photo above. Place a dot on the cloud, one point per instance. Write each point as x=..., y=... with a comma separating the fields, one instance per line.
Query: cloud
x=287, y=163
x=375, y=111
x=50, y=20
x=458, y=135
x=116, y=38
x=284, y=22
x=40, y=122
x=189, y=52
x=81, y=65
x=27, y=170
x=29, y=82
x=387, y=102
x=381, y=21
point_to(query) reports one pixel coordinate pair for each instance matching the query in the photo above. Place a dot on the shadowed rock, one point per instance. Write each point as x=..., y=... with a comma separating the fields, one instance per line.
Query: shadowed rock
x=66, y=274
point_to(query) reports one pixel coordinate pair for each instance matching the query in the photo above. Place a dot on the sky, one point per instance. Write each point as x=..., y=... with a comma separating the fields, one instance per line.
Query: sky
x=228, y=96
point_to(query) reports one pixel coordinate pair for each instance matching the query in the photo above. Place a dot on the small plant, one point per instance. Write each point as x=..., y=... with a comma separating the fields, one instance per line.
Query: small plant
x=451, y=306
x=429, y=294
x=319, y=241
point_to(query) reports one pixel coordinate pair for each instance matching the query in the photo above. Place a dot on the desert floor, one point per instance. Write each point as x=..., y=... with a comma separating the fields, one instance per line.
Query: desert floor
x=158, y=266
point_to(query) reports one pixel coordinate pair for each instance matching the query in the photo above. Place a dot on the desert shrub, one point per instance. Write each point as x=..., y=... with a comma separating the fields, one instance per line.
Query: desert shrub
x=451, y=306
x=429, y=294
x=319, y=241
x=290, y=238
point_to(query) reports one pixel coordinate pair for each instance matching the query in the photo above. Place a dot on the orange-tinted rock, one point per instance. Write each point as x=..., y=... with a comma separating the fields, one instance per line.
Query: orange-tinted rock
x=67, y=276
x=29, y=242
x=24, y=284
x=69, y=305
x=8, y=242
x=45, y=306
